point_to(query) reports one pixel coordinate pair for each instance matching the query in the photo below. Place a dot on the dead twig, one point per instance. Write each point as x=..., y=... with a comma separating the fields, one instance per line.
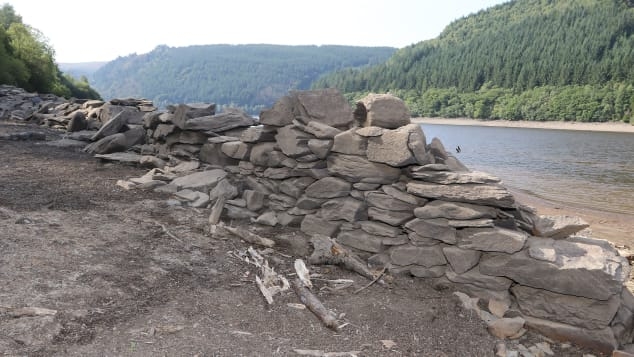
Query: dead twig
x=29, y=311
x=378, y=276
x=169, y=234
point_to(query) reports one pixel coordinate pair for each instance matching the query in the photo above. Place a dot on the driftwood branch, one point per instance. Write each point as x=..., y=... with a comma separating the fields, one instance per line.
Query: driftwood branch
x=378, y=276
x=28, y=311
x=320, y=353
x=328, y=251
x=248, y=236
x=169, y=234
x=313, y=304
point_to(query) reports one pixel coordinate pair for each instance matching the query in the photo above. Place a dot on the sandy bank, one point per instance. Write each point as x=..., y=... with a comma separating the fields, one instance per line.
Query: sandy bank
x=557, y=125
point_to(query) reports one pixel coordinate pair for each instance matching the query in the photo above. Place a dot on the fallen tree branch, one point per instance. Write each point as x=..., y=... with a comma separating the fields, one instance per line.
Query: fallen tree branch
x=328, y=251
x=313, y=304
x=248, y=236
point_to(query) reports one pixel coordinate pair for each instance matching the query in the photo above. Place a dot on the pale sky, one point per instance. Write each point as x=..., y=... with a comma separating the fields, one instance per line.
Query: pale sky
x=89, y=30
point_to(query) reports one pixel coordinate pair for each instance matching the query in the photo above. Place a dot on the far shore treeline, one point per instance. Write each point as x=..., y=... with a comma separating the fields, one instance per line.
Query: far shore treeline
x=28, y=61
x=525, y=59
x=568, y=60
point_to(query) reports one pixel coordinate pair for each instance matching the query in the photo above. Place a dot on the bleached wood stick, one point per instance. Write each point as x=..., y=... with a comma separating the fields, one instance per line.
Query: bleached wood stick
x=250, y=237
x=313, y=304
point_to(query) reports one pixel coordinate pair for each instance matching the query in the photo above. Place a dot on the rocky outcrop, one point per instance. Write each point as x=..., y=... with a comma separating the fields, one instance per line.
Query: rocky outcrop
x=378, y=187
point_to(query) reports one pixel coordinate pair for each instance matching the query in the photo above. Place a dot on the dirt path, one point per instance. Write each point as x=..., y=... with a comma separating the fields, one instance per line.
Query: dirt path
x=72, y=241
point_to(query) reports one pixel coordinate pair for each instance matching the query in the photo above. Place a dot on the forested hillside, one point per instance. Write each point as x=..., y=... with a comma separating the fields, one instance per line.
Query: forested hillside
x=28, y=61
x=525, y=59
x=248, y=76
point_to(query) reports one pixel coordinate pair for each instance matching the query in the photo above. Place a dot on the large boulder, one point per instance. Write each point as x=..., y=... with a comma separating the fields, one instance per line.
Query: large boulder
x=392, y=147
x=327, y=106
x=586, y=269
x=382, y=110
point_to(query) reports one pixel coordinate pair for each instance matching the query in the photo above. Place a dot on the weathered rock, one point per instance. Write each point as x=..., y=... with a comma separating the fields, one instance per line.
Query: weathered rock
x=393, y=218
x=558, y=227
x=236, y=149
x=192, y=137
x=321, y=148
x=293, y=142
x=364, y=186
x=225, y=189
x=454, y=210
x=77, y=122
x=492, y=239
x=433, y=228
x=568, y=309
x=211, y=154
x=111, y=127
x=163, y=130
x=356, y=168
x=329, y=187
x=506, y=327
x=267, y=218
x=424, y=272
x=344, y=208
x=380, y=229
x=398, y=194
x=450, y=177
x=475, y=277
x=117, y=142
x=424, y=256
x=498, y=308
x=488, y=195
x=229, y=119
x=122, y=157
x=265, y=154
x=370, y=131
x=281, y=114
x=387, y=202
x=254, y=199
x=382, y=110
x=326, y=106
x=392, y=147
x=421, y=241
x=193, y=198
x=185, y=112
x=361, y=240
x=236, y=212
x=601, y=340
x=202, y=181
x=309, y=203
x=312, y=224
x=281, y=202
x=296, y=186
x=602, y=275
x=321, y=130
x=461, y=260
x=257, y=134
x=350, y=143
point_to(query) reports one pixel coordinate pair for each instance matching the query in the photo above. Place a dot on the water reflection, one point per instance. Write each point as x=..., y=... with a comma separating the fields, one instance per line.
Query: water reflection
x=591, y=169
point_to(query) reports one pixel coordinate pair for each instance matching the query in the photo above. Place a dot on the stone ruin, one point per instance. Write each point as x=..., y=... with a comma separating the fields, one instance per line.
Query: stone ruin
x=368, y=178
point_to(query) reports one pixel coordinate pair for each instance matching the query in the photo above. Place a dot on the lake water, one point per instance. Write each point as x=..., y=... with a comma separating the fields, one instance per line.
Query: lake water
x=580, y=168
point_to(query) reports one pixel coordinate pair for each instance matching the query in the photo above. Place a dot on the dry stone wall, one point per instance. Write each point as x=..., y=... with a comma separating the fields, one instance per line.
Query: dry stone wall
x=370, y=179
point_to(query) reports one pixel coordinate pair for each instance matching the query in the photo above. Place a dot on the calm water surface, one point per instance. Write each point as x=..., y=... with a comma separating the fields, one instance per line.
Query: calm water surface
x=580, y=168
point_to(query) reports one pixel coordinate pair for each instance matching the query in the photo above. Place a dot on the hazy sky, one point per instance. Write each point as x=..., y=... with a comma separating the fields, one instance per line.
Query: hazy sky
x=89, y=30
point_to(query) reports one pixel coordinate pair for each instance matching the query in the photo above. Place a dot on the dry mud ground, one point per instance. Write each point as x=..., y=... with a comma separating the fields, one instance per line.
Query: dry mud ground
x=72, y=241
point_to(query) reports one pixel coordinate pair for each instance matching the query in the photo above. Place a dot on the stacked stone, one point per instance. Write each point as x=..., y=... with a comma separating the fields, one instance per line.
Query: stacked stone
x=182, y=131
x=17, y=104
x=369, y=179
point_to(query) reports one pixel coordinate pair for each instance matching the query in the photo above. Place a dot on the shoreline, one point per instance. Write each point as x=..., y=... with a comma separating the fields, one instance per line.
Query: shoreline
x=616, y=127
x=617, y=228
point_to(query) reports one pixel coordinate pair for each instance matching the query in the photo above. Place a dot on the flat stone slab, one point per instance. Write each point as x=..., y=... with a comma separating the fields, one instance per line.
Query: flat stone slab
x=200, y=181
x=124, y=157
x=356, y=169
x=423, y=256
x=572, y=310
x=449, y=177
x=572, y=268
x=558, y=227
x=454, y=210
x=492, y=239
x=483, y=194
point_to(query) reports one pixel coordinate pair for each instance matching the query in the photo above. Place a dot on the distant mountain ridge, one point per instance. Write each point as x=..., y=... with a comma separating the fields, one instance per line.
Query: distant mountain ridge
x=247, y=76
x=524, y=59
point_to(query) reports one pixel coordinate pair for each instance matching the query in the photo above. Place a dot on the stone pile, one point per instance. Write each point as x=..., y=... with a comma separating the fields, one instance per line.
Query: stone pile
x=369, y=178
